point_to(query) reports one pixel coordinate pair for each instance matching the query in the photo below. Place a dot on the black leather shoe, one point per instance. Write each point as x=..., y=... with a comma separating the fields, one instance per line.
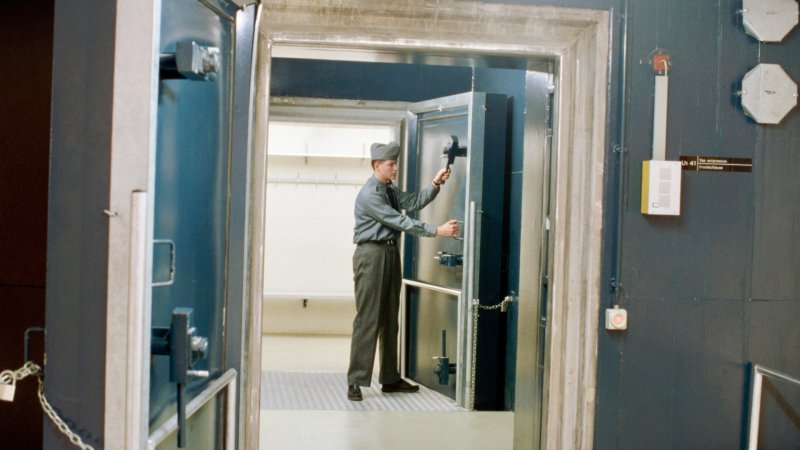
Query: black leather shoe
x=400, y=386
x=354, y=393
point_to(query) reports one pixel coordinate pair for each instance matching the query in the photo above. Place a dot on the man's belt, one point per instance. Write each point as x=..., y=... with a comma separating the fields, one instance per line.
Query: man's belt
x=380, y=242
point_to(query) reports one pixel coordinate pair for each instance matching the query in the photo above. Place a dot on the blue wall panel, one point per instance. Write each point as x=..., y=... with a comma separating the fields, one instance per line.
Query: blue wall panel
x=366, y=81
x=702, y=253
x=776, y=249
x=772, y=335
x=679, y=377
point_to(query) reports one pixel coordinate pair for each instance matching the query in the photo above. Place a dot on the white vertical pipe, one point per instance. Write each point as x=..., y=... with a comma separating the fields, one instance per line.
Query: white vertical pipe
x=755, y=409
x=230, y=418
x=136, y=392
x=660, y=117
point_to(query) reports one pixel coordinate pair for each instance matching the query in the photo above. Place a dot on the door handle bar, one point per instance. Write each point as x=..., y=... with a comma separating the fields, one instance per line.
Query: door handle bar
x=171, y=245
x=456, y=237
x=432, y=287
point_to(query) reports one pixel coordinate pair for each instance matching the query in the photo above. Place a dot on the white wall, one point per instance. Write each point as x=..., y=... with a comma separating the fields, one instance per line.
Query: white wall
x=309, y=226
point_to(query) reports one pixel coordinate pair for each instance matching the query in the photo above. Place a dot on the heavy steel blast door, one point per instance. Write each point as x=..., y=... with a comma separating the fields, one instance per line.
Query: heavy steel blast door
x=198, y=225
x=446, y=278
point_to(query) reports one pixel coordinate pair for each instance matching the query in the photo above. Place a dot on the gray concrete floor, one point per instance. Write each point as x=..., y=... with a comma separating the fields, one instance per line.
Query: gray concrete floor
x=335, y=430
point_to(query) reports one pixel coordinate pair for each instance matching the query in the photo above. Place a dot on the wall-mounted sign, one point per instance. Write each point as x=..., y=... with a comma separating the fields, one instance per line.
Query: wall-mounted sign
x=716, y=164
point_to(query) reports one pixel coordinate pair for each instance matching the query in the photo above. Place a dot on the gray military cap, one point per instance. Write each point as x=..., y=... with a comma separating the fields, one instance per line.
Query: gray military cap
x=380, y=151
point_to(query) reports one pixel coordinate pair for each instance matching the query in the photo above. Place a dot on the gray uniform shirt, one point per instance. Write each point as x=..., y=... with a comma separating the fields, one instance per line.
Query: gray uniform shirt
x=377, y=220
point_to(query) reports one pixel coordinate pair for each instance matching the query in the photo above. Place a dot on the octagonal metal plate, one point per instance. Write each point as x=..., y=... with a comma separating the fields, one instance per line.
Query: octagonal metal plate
x=769, y=20
x=768, y=93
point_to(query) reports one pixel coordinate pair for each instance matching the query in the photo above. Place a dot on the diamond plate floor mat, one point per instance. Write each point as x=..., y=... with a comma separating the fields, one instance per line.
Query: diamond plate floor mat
x=328, y=391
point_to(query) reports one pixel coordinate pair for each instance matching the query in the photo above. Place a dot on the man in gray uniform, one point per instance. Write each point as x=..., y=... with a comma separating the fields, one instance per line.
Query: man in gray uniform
x=376, y=267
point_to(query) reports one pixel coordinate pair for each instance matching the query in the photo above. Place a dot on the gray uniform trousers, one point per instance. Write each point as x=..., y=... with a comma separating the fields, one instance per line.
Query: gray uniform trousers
x=376, y=272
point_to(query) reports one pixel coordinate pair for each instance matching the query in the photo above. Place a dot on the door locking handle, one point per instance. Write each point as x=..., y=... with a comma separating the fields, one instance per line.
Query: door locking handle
x=184, y=349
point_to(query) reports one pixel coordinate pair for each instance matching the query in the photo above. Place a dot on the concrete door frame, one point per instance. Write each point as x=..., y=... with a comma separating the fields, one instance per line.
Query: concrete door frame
x=578, y=41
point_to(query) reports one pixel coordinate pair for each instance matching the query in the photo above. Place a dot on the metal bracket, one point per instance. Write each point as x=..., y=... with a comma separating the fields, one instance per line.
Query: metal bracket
x=27, y=351
x=190, y=61
x=659, y=61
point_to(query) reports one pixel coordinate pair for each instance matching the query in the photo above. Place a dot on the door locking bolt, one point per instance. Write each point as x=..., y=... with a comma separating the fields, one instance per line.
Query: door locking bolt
x=449, y=259
x=184, y=349
x=190, y=61
x=444, y=368
x=199, y=347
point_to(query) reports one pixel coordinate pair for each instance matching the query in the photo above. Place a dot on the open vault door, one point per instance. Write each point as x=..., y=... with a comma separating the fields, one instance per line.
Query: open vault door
x=445, y=279
x=199, y=225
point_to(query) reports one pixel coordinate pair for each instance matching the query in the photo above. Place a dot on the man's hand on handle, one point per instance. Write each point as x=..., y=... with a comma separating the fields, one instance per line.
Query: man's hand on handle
x=441, y=177
x=447, y=229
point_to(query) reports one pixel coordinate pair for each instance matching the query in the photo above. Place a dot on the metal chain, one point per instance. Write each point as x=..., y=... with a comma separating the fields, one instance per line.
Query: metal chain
x=476, y=307
x=31, y=368
x=506, y=301
x=28, y=369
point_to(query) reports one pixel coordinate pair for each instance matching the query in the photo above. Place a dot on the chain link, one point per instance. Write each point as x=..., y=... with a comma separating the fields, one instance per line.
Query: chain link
x=7, y=376
x=476, y=307
x=506, y=301
x=31, y=368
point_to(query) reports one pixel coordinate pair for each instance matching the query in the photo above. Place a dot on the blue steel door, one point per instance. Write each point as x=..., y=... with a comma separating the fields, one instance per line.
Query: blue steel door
x=198, y=194
x=442, y=276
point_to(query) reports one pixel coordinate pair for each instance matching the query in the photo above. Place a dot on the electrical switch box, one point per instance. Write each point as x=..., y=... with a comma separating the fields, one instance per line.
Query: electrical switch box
x=661, y=188
x=616, y=319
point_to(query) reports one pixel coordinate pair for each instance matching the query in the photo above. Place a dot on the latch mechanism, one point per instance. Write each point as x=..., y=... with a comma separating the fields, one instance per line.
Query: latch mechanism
x=184, y=349
x=444, y=368
x=190, y=61
x=449, y=259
